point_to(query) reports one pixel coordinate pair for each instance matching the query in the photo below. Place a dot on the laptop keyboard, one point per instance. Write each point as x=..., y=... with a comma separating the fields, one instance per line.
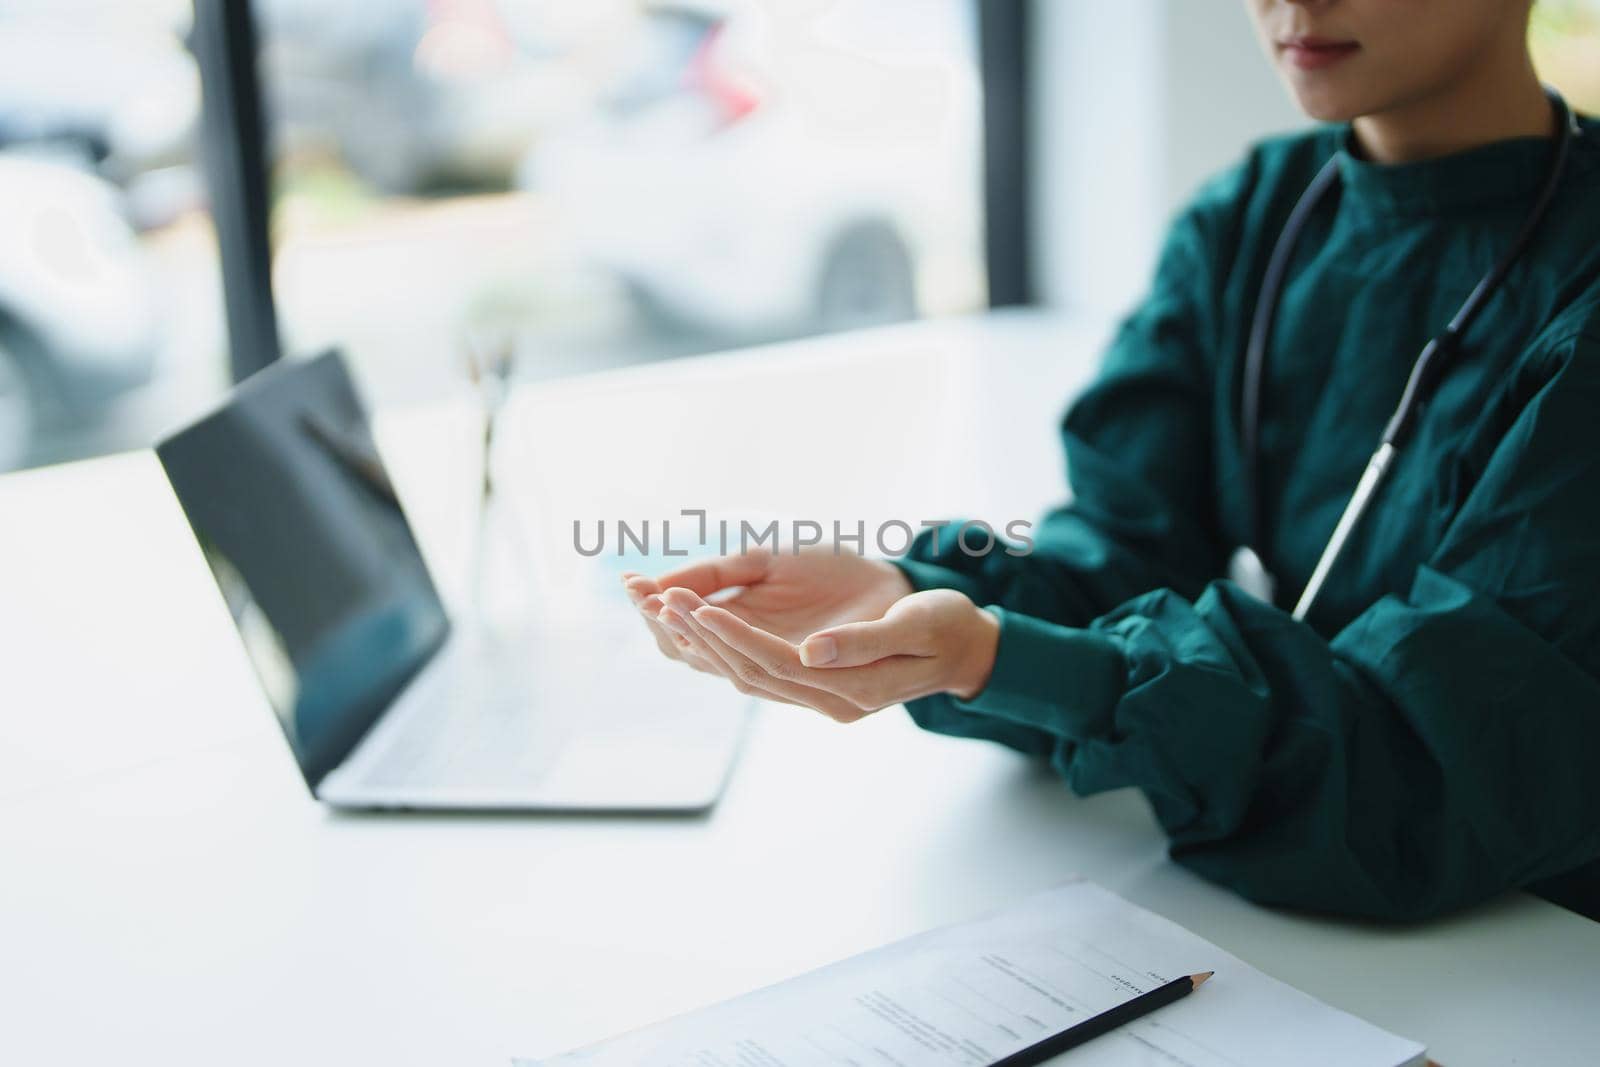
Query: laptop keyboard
x=480, y=740
x=474, y=724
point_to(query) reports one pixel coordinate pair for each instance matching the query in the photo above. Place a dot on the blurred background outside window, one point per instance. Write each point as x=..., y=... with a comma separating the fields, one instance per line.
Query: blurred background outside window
x=585, y=184
x=109, y=280
x=1566, y=49
x=613, y=181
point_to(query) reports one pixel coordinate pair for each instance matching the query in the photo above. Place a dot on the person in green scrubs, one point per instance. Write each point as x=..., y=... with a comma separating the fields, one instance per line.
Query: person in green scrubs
x=1429, y=735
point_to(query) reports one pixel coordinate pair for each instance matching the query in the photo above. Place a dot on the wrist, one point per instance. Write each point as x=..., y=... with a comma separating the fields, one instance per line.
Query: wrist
x=979, y=645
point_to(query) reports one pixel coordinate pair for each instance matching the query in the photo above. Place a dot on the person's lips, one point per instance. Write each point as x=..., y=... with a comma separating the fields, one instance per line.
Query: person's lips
x=1315, y=53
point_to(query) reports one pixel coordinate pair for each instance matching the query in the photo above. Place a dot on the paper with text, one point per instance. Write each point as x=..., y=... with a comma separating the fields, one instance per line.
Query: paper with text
x=966, y=995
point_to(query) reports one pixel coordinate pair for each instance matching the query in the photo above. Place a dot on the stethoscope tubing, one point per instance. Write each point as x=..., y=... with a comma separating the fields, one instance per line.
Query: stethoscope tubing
x=1426, y=371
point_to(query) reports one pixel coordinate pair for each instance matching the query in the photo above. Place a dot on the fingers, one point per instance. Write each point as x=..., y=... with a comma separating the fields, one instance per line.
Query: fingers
x=640, y=590
x=772, y=654
x=707, y=577
x=761, y=664
x=855, y=644
x=678, y=624
x=645, y=596
x=746, y=675
x=728, y=664
x=725, y=666
x=639, y=586
x=675, y=616
x=883, y=683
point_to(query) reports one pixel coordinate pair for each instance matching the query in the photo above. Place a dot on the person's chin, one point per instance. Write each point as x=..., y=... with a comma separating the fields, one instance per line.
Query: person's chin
x=1325, y=99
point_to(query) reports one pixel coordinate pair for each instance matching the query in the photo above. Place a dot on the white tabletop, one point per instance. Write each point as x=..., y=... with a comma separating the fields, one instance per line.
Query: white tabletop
x=170, y=894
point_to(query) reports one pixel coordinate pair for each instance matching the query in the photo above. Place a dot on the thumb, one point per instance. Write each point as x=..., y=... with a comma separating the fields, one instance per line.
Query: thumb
x=855, y=644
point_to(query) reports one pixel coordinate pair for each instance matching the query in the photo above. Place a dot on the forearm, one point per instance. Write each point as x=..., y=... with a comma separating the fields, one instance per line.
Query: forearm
x=1304, y=772
x=1071, y=574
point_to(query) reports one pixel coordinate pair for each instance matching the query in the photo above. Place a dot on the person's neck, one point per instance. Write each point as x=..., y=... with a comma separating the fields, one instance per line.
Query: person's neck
x=1499, y=101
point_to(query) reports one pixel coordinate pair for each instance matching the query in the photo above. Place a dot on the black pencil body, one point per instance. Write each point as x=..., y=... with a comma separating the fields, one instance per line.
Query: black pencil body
x=1078, y=1033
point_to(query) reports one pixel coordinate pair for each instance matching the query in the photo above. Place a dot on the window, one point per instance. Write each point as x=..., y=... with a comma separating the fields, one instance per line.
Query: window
x=589, y=185
x=1565, y=36
x=110, y=298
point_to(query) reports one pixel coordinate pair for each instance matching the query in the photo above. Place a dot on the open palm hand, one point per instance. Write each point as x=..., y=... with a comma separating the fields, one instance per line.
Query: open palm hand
x=786, y=594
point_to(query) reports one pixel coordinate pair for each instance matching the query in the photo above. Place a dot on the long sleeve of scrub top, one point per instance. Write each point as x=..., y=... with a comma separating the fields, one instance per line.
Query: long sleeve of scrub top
x=1136, y=447
x=1405, y=757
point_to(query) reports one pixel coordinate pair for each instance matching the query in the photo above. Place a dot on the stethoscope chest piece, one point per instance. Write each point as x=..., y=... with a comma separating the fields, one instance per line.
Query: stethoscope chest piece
x=1247, y=571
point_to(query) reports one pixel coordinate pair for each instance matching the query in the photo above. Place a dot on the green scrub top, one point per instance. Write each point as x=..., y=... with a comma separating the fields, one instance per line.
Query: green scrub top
x=1430, y=735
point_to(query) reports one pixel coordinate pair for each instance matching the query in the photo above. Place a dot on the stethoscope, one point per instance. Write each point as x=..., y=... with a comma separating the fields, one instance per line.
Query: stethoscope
x=1247, y=568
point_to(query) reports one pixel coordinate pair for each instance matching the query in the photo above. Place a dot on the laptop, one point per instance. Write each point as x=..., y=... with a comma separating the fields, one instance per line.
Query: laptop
x=384, y=703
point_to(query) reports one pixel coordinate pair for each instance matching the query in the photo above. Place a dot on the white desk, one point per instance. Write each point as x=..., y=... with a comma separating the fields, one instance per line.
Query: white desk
x=169, y=893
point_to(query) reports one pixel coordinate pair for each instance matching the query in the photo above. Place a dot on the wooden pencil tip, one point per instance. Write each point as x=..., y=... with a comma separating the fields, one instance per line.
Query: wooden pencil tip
x=1199, y=979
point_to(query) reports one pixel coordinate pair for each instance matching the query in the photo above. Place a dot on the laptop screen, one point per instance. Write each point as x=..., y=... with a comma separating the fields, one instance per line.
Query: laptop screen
x=300, y=525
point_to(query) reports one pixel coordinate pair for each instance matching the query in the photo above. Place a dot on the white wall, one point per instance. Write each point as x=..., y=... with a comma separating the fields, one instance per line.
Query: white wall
x=1136, y=102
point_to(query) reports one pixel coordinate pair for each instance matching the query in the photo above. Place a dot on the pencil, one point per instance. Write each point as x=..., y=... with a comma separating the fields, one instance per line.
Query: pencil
x=1126, y=1012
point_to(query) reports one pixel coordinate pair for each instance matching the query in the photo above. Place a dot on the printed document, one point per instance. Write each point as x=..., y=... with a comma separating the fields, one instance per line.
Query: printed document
x=967, y=995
